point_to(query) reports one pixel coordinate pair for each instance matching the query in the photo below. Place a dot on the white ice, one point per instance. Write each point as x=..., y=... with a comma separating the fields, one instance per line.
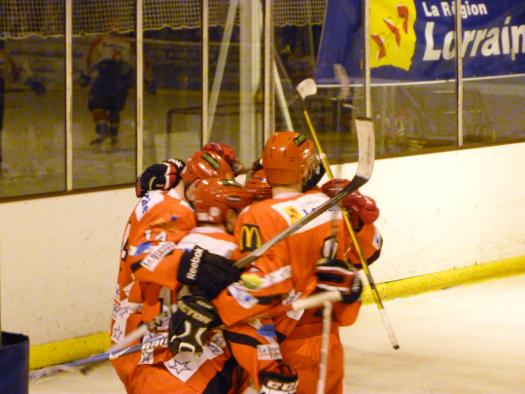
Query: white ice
x=463, y=340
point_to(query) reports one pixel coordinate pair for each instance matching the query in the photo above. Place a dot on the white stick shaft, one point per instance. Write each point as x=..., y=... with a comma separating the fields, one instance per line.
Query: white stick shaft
x=317, y=300
x=325, y=341
x=128, y=340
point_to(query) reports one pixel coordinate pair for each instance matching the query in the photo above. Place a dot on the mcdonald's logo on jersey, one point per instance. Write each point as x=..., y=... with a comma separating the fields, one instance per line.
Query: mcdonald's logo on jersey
x=250, y=237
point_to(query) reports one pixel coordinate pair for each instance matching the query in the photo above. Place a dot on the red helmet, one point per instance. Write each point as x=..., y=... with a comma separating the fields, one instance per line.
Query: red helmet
x=258, y=186
x=214, y=196
x=287, y=158
x=227, y=153
x=204, y=165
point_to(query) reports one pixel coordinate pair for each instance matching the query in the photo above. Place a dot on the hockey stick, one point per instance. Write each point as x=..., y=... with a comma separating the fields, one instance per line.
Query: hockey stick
x=306, y=88
x=305, y=303
x=325, y=341
x=365, y=139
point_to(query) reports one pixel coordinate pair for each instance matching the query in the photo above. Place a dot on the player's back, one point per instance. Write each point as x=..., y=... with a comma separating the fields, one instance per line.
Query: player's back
x=302, y=249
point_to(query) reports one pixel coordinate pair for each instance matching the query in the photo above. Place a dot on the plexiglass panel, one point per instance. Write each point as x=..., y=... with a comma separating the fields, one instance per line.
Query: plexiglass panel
x=32, y=112
x=236, y=78
x=172, y=94
x=493, y=110
x=335, y=104
x=104, y=129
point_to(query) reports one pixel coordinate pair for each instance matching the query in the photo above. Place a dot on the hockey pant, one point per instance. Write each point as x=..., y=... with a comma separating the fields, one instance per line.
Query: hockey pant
x=302, y=350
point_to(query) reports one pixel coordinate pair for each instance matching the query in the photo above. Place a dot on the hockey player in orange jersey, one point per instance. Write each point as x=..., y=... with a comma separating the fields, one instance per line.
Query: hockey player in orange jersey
x=151, y=267
x=199, y=362
x=310, y=260
x=289, y=270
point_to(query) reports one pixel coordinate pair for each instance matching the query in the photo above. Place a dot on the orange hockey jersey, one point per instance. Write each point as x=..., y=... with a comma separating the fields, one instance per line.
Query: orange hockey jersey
x=287, y=270
x=158, y=221
x=285, y=273
x=209, y=372
x=155, y=369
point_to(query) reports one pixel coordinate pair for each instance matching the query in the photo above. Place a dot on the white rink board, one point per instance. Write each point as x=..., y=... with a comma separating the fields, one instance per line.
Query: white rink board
x=438, y=211
x=448, y=210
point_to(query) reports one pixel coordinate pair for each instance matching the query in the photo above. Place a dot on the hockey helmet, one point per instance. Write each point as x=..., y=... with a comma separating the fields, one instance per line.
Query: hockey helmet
x=257, y=185
x=287, y=158
x=227, y=153
x=206, y=164
x=214, y=196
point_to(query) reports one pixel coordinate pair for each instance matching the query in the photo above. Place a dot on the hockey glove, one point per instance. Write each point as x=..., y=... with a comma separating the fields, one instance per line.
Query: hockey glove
x=160, y=176
x=361, y=209
x=189, y=325
x=210, y=272
x=282, y=382
x=257, y=165
x=336, y=275
x=228, y=154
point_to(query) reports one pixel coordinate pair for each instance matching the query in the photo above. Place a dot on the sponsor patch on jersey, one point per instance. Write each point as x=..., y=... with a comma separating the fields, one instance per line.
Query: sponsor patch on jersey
x=156, y=255
x=138, y=250
x=151, y=342
x=147, y=202
x=250, y=237
x=269, y=352
x=267, y=330
x=291, y=297
x=244, y=299
x=293, y=214
x=277, y=276
x=293, y=210
x=378, y=239
x=184, y=364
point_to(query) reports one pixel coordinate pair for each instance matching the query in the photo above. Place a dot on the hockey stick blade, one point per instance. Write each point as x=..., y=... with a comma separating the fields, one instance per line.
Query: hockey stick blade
x=307, y=87
x=365, y=138
x=343, y=78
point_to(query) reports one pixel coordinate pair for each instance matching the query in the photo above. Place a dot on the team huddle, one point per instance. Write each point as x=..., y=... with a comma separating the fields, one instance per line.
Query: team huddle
x=222, y=329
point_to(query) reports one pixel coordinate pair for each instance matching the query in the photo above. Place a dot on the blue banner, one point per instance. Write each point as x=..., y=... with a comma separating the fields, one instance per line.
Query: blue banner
x=414, y=40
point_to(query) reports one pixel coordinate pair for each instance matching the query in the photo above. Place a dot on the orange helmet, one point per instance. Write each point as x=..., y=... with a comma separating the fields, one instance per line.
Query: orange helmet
x=204, y=165
x=214, y=196
x=227, y=153
x=258, y=186
x=287, y=158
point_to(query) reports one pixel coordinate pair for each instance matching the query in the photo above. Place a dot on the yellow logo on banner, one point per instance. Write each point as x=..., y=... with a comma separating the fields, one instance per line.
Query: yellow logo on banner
x=393, y=38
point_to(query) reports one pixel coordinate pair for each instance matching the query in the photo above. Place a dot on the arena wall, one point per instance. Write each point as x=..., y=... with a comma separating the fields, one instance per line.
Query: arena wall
x=438, y=212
